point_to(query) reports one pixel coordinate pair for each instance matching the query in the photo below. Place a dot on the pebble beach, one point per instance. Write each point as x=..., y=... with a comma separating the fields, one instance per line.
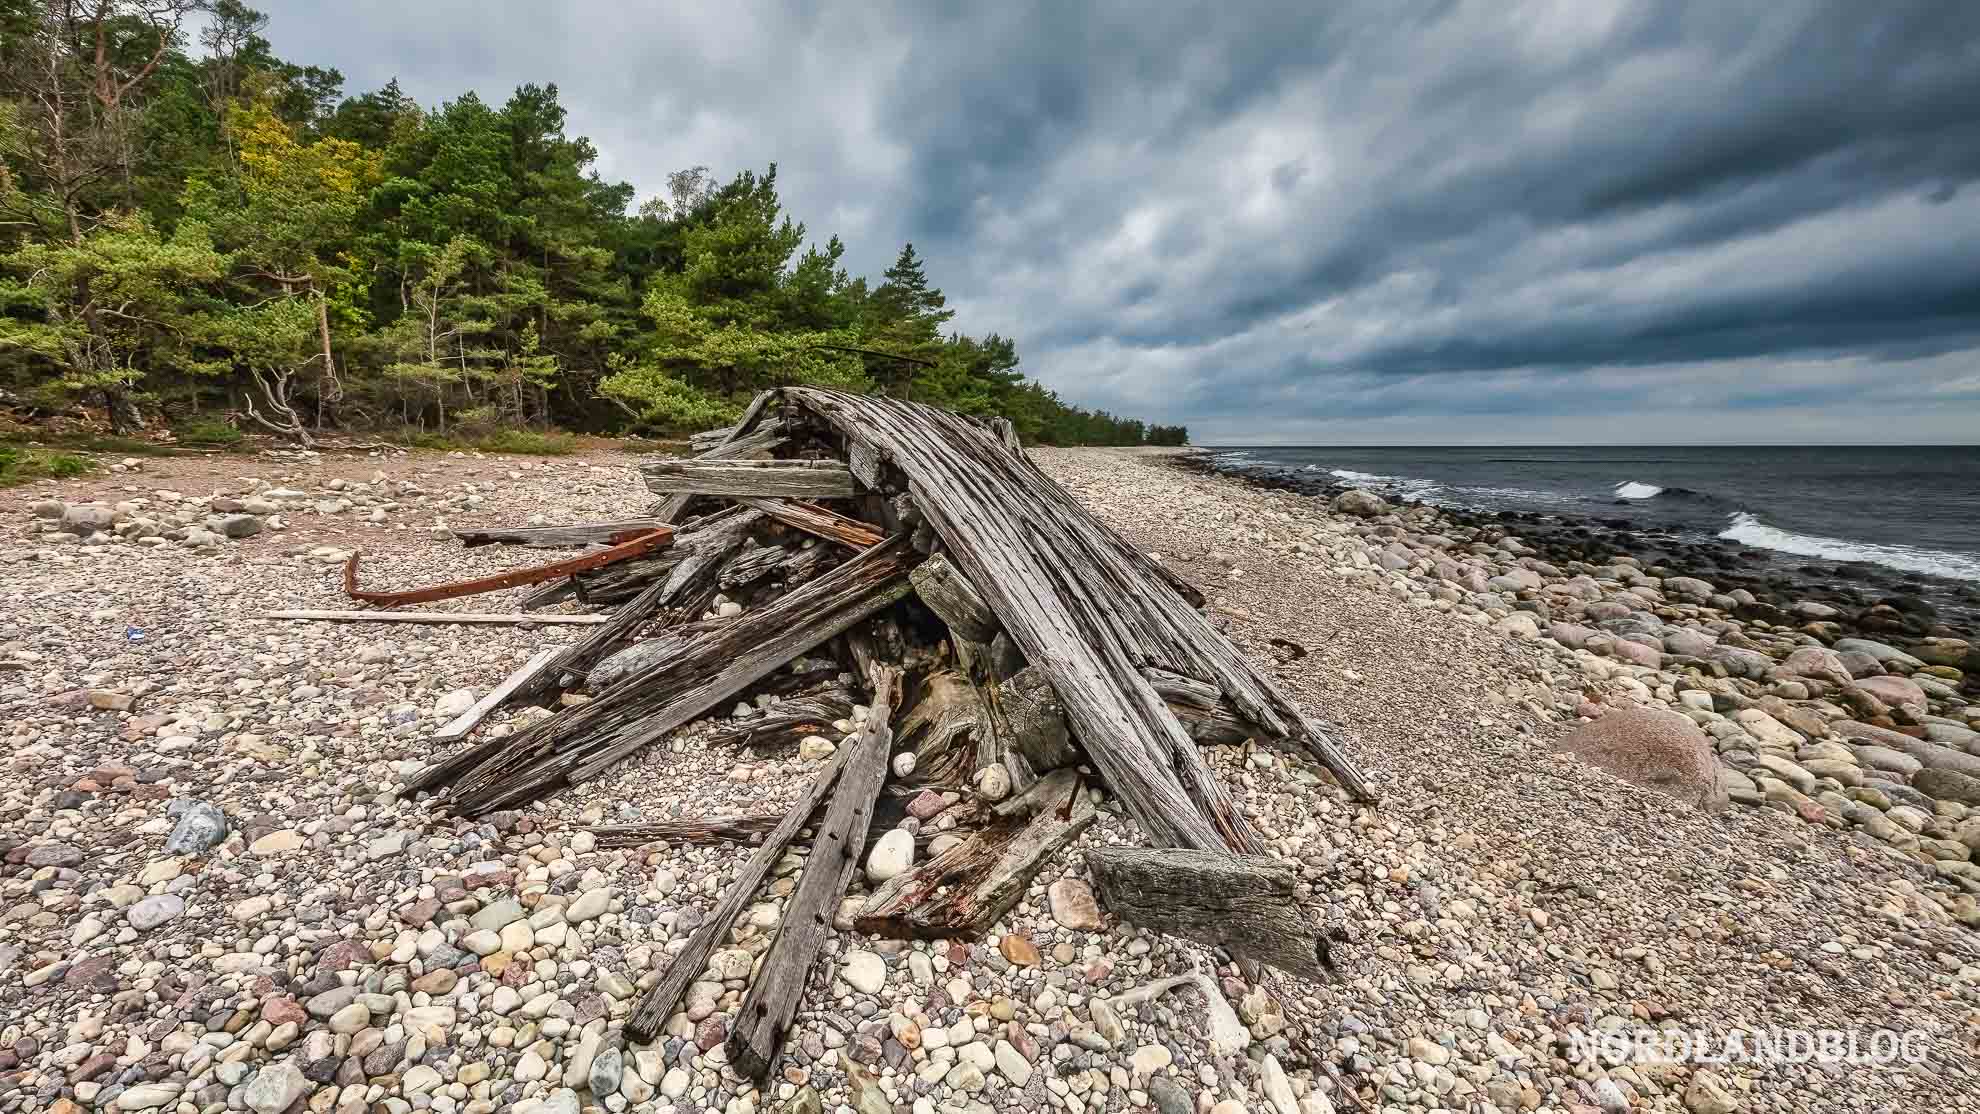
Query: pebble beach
x=215, y=898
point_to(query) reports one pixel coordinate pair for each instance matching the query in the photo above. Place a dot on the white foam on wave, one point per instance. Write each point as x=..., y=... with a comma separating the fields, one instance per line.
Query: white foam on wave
x=1351, y=474
x=1747, y=529
x=1631, y=489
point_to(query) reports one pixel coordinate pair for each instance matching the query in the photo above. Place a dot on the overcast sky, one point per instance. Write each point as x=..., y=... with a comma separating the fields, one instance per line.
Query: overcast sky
x=1578, y=221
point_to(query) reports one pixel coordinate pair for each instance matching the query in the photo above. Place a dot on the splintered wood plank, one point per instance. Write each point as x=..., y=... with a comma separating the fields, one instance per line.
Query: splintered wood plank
x=650, y=1016
x=764, y=1018
x=578, y=743
x=764, y=479
x=1248, y=904
x=460, y=725
x=1089, y=609
x=819, y=521
x=558, y=537
x=965, y=890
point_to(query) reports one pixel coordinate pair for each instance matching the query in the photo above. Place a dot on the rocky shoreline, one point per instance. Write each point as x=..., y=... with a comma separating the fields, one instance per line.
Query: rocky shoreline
x=1863, y=717
x=1924, y=605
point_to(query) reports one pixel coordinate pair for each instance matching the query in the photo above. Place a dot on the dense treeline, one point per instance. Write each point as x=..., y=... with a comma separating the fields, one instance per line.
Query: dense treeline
x=201, y=227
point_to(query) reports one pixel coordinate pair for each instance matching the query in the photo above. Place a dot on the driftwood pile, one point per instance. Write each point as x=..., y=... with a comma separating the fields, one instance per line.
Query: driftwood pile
x=1005, y=646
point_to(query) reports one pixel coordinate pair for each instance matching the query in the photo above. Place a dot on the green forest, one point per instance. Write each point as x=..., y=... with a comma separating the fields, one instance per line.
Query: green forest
x=194, y=232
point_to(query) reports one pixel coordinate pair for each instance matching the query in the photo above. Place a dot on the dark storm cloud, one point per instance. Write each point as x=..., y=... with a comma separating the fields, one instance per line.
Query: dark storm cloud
x=1383, y=220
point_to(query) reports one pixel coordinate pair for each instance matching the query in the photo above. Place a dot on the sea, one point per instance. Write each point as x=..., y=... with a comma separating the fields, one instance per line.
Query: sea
x=1909, y=509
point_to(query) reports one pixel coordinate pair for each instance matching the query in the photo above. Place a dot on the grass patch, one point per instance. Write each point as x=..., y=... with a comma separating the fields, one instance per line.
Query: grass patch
x=19, y=465
x=207, y=431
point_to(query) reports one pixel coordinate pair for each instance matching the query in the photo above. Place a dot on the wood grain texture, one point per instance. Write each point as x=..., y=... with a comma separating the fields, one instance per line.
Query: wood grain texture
x=1087, y=607
x=965, y=890
x=650, y=1016
x=818, y=521
x=764, y=1018
x=763, y=479
x=1247, y=904
x=579, y=742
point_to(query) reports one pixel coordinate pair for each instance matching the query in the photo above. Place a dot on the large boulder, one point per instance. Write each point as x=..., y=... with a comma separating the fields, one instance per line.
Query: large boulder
x=1893, y=689
x=1885, y=653
x=1361, y=504
x=1656, y=749
x=1948, y=785
x=1930, y=755
x=1816, y=662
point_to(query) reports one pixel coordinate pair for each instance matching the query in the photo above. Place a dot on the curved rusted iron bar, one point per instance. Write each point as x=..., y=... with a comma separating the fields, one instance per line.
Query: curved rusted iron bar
x=640, y=544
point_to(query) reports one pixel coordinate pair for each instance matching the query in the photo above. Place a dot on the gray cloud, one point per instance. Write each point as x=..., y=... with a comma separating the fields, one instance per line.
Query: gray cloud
x=1734, y=219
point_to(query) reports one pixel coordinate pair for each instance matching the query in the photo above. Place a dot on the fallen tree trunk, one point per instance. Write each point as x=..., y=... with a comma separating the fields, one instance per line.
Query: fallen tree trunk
x=965, y=890
x=764, y=1018
x=1247, y=904
x=577, y=743
x=763, y=479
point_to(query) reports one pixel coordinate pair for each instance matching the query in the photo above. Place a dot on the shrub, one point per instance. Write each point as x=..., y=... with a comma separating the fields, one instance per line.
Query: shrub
x=207, y=431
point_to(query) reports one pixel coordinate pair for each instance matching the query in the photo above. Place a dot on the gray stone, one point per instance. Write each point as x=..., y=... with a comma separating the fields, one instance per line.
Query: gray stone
x=606, y=1068
x=276, y=1087
x=201, y=827
x=85, y=519
x=154, y=911
x=238, y=525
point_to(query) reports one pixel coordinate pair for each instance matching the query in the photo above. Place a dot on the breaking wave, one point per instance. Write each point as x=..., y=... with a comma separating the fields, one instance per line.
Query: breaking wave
x=1747, y=529
x=1632, y=489
x=1351, y=474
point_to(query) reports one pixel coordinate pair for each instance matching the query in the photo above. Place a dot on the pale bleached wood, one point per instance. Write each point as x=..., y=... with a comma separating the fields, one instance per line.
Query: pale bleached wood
x=1247, y=904
x=818, y=521
x=650, y=1016
x=764, y=1018
x=484, y=617
x=951, y=597
x=460, y=725
x=763, y=479
x=1087, y=607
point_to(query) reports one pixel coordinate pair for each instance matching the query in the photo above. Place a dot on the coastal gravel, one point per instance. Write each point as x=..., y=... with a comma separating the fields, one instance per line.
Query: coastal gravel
x=214, y=897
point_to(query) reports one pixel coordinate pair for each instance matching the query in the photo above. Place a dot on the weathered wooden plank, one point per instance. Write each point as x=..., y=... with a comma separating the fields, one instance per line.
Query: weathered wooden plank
x=754, y=435
x=1089, y=608
x=1247, y=904
x=483, y=617
x=460, y=725
x=650, y=1016
x=818, y=521
x=765, y=479
x=557, y=537
x=579, y=742
x=965, y=890
x=764, y=1018
x=949, y=595
x=1065, y=594
x=1203, y=709
x=689, y=585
